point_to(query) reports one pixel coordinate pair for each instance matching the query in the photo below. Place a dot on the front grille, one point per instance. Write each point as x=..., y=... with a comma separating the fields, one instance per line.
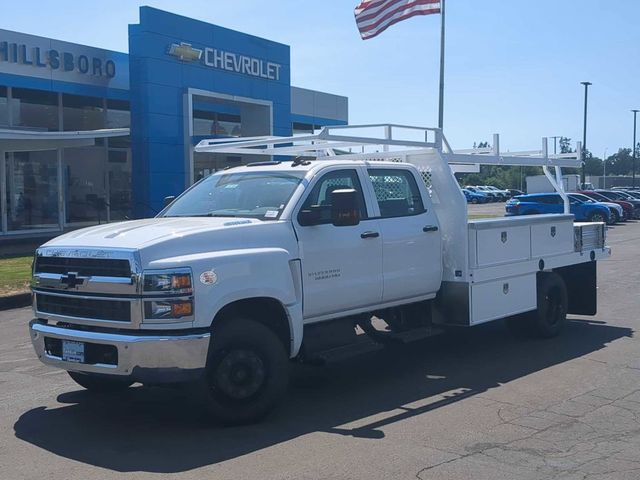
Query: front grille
x=99, y=309
x=84, y=267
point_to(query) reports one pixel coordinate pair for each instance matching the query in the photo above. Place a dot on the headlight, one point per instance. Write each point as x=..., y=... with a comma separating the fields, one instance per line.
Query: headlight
x=169, y=282
x=165, y=309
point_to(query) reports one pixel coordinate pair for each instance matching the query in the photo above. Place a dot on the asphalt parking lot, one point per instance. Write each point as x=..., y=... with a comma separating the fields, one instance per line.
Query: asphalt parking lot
x=475, y=404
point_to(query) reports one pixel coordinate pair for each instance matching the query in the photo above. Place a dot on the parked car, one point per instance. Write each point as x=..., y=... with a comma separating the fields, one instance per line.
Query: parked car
x=617, y=213
x=501, y=195
x=627, y=207
x=475, y=197
x=618, y=195
x=490, y=195
x=537, y=203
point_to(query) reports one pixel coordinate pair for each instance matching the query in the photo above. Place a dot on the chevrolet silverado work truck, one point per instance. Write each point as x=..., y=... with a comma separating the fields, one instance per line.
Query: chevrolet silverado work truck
x=311, y=254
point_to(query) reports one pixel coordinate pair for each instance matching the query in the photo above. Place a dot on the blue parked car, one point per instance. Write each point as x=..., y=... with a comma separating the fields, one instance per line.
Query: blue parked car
x=475, y=197
x=537, y=203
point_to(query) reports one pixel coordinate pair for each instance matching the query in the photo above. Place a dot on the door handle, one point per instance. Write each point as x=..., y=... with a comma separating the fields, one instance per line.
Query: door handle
x=369, y=234
x=430, y=228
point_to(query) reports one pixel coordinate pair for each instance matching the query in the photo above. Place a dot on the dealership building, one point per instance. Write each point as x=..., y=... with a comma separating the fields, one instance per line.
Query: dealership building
x=89, y=135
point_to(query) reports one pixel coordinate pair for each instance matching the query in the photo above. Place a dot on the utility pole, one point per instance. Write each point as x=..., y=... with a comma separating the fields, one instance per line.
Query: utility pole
x=604, y=168
x=633, y=148
x=584, y=129
x=555, y=138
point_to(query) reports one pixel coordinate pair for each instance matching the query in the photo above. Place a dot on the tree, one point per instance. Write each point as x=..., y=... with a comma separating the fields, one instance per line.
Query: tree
x=565, y=145
x=620, y=163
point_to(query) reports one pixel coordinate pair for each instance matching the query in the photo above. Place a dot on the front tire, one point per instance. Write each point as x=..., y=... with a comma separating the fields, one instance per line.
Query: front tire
x=247, y=372
x=97, y=383
x=597, y=217
x=474, y=200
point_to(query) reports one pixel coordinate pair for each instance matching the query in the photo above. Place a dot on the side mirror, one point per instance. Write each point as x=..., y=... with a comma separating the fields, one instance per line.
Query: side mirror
x=168, y=200
x=310, y=217
x=344, y=207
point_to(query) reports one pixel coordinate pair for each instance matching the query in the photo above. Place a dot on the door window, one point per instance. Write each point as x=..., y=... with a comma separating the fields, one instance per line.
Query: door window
x=397, y=192
x=320, y=196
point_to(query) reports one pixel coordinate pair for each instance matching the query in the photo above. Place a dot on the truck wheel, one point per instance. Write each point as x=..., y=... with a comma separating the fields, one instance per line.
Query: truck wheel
x=551, y=313
x=100, y=383
x=247, y=372
x=553, y=303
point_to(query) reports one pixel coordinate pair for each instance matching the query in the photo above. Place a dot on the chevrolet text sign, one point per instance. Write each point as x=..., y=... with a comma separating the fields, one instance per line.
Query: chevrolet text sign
x=232, y=62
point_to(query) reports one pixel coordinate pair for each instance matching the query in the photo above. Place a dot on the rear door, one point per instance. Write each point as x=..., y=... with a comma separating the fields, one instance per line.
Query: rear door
x=341, y=266
x=411, y=240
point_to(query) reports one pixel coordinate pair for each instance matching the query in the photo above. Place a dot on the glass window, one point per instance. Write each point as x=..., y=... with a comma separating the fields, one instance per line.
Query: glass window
x=32, y=190
x=118, y=114
x=84, y=184
x=82, y=113
x=217, y=124
x=35, y=108
x=120, y=184
x=4, y=107
x=396, y=192
x=320, y=196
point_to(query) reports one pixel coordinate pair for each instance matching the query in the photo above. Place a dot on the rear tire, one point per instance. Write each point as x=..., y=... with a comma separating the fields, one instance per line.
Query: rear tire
x=613, y=218
x=551, y=314
x=247, y=372
x=97, y=383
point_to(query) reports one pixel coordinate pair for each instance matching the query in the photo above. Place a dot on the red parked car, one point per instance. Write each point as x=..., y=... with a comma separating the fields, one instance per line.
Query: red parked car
x=627, y=207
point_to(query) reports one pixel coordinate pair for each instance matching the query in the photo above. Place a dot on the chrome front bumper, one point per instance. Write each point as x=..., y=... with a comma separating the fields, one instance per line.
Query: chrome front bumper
x=148, y=358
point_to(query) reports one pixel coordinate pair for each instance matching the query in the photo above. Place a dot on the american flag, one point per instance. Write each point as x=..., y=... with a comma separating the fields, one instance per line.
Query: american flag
x=375, y=16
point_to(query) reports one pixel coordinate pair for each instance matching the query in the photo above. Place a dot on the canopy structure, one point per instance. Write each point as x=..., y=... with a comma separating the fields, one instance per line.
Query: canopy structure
x=392, y=140
x=398, y=143
x=12, y=140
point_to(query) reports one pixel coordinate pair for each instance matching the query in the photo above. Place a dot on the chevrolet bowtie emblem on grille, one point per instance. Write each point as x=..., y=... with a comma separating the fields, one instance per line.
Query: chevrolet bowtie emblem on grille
x=71, y=280
x=185, y=52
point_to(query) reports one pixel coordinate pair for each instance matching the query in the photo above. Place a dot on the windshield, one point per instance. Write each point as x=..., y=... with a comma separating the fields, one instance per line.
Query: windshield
x=260, y=195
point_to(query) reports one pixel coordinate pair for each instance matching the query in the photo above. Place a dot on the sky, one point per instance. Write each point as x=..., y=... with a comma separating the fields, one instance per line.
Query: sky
x=511, y=67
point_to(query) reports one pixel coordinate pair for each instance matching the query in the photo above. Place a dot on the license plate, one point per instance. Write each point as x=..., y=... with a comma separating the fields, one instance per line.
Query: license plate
x=72, y=351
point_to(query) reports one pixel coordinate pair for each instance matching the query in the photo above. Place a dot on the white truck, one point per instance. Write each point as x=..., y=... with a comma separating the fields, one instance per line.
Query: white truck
x=541, y=184
x=308, y=259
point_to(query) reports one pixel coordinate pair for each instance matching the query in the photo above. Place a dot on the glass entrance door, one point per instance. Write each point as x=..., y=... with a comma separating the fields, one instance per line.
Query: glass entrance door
x=32, y=191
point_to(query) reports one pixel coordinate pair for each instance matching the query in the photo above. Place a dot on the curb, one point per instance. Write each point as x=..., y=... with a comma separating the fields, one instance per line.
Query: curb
x=17, y=300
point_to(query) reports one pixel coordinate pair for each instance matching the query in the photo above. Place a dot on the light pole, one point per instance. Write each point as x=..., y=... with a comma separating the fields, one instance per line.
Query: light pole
x=555, y=144
x=584, y=128
x=633, y=149
x=604, y=168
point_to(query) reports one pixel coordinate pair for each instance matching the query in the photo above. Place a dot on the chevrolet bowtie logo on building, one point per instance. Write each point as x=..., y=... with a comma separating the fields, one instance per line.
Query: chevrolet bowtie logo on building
x=229, y=61
x=185, y=52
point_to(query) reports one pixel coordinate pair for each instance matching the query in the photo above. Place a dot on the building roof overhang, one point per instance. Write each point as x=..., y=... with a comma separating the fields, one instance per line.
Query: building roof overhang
x=12, y=140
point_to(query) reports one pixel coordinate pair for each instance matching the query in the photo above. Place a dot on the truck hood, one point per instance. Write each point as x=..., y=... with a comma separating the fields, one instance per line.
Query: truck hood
x=138, y=234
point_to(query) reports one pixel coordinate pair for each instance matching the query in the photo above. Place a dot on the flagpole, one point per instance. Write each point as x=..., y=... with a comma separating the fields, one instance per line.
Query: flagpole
x=441, y=99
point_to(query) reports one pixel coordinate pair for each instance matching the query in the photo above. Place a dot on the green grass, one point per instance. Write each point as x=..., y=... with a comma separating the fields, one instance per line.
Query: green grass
x=15, y=274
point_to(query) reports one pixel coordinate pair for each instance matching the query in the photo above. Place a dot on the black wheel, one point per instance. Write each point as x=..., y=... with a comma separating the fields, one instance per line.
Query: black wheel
x=613, y=218
x=247, y=372
x=550, y=316
x=474, y=200
x=100, y=383
x=597, y=217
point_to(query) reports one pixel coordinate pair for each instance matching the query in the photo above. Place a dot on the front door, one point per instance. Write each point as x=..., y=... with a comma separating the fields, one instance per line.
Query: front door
x=341, y=266
x=412, y=251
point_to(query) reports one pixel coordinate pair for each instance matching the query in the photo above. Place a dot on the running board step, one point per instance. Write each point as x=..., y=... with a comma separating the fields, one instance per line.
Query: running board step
x=416, y=334
x=344, y=352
